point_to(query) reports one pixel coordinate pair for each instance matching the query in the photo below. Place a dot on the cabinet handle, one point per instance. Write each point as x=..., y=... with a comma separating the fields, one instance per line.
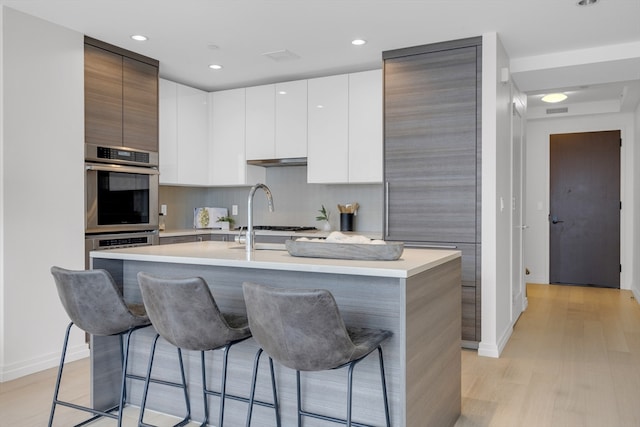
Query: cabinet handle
x=418, y=245
x=386, y=208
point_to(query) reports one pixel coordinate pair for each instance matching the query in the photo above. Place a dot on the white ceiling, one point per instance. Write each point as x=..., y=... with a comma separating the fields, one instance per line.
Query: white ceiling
x=188, y=35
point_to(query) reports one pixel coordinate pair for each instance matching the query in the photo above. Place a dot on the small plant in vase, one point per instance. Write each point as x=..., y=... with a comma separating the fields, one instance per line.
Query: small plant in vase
x=228, y=220
x=324, y=216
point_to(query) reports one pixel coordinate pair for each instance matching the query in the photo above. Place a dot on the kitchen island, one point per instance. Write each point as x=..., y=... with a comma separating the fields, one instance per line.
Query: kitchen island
x=417, y=297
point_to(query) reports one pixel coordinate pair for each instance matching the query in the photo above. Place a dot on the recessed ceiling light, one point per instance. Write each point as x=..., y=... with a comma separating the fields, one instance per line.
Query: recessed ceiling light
x=358, y=42
x=282, y=92
x=139, y=37
x=586, y=2
x=554, y=97
x=215, y=67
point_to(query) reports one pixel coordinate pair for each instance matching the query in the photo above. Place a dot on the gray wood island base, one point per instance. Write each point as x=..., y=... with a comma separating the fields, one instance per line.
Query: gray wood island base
x=417, y=297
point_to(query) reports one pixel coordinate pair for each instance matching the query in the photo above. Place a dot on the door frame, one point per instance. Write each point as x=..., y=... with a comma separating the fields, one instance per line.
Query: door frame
x=519, y=300
x=538, y=196
x=576, y=143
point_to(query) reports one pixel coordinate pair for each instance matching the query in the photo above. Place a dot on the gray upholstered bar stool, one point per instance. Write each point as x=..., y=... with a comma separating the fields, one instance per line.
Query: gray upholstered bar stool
x=94, y=303
x=303, y=330
x=184, y=312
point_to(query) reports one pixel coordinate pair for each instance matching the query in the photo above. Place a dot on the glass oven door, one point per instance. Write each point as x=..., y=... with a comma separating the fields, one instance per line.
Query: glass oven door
x=120, y=198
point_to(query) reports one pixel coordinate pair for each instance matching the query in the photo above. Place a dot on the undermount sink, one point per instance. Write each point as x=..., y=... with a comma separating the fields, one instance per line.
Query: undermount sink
x=264, y=247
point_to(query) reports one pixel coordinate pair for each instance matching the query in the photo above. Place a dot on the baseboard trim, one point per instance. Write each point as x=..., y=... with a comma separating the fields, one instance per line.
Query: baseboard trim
x=494, y=350
x=21, y=369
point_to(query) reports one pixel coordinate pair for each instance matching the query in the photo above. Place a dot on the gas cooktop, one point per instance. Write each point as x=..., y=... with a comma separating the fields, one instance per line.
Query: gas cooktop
x=282, y=228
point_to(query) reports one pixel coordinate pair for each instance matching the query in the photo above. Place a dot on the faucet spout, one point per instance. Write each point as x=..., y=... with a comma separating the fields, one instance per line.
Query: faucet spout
x=250, y=244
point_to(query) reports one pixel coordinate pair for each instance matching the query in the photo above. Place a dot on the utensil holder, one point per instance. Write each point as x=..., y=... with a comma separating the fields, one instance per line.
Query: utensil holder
x=346, y=222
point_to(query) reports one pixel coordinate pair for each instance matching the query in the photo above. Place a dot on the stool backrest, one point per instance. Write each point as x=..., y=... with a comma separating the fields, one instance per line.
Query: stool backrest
x=300, y=328
x=94, y=302
x=184, y=312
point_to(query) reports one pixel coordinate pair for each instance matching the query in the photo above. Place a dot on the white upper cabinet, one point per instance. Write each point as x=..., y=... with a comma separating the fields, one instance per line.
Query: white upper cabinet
x=168, y=131
x=365, y=127
x=227, y=161
x=291, y=119
x=276, y=126
x=193, y=136
x=345, y=128
x=328, y=129
x=183, y=134
x=260, y=122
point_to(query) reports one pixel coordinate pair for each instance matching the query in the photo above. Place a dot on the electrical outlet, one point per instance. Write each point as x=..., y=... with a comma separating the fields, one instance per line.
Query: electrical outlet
x=234, y=210
x=163, y=209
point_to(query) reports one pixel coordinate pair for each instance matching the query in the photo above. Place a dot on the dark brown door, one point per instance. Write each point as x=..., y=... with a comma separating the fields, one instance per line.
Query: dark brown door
x=584, y=219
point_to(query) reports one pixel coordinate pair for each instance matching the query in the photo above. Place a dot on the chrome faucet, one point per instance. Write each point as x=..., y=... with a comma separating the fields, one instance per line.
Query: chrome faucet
x=249, y=241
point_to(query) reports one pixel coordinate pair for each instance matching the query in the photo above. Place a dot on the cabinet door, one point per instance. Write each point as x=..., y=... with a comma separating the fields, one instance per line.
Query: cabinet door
x=228, y=165
x=103, y=96
x=260, y=122
x=328, y=133
x=430, y=146
x=192, y=136
x=291, y=119
x=168, y=134
x=139, y=105
x=365, y=127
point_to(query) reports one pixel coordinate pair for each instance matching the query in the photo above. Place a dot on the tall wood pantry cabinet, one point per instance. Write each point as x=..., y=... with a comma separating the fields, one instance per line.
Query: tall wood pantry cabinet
x=121, y=97
x=432, y=147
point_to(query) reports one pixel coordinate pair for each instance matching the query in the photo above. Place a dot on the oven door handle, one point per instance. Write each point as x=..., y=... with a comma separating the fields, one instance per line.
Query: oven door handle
x=119, y=168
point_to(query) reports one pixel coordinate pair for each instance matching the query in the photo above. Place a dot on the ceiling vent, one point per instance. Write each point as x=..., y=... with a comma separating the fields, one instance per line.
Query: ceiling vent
x=281, y=55
x=557, y=110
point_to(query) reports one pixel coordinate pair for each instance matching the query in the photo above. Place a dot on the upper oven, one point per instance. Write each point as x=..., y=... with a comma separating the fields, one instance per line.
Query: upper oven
x=121, y=190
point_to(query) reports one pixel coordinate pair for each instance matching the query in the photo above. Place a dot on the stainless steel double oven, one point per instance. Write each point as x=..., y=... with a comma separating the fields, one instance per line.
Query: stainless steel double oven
x=121, y=198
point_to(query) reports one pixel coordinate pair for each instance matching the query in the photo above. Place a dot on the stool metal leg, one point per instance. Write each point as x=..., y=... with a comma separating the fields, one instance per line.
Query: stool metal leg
x=348, y=421
x=60, y=367
x=96, y=412
x=148, y=380
x=254, y=378
x=204, y=391
x=384, y=387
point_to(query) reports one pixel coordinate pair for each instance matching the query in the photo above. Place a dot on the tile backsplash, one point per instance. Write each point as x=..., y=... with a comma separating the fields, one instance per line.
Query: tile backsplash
x=295, y=201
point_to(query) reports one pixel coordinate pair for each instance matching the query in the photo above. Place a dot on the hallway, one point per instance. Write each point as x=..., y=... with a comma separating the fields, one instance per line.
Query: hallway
x=573, y=360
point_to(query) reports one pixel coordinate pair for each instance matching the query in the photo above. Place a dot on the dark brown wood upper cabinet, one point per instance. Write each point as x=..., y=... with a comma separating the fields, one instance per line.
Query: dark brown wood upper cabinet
x=121, y=97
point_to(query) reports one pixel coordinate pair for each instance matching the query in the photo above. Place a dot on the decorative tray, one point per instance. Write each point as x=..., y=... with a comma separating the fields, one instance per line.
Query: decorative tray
x=389, y=251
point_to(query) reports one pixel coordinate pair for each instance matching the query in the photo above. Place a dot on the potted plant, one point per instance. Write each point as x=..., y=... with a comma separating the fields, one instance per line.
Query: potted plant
x=226, y=221
x=325, y=215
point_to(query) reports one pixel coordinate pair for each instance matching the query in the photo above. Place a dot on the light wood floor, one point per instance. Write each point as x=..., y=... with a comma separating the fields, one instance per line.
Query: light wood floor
x=573, y=361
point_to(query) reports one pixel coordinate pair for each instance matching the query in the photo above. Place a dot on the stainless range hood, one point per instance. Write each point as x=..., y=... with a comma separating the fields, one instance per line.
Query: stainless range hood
x=267, y=163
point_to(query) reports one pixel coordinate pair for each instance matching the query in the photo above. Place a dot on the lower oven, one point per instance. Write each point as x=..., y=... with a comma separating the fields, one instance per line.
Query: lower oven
x=99, y=242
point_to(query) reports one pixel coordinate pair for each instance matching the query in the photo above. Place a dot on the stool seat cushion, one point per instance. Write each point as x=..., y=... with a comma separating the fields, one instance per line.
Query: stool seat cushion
x=184, y=312
x=94, y=302
x=303, y=329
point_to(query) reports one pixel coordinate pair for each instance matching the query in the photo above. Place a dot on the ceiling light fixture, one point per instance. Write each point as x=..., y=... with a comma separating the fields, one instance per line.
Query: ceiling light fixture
x=586, y=2
x=215, y=67
x=554, y=97
x=139, y=37
x=358, y=42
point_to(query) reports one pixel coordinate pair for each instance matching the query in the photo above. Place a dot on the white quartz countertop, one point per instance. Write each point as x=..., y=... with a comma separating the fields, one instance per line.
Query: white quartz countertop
x=230, y=254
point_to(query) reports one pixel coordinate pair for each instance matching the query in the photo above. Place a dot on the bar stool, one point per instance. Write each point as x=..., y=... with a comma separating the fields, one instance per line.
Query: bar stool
x=94, y=303
x=303, y=330
x=184, y=313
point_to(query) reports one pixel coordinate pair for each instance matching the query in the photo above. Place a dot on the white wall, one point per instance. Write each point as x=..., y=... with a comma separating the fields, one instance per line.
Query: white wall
x=537, y=184
x=42, y=221
x=496, y=195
